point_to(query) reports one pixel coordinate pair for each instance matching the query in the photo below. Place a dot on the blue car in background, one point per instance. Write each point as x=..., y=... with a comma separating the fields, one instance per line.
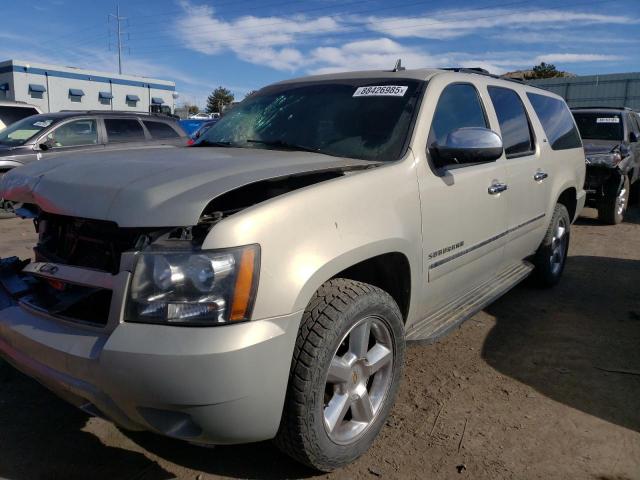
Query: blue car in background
x=192, y=125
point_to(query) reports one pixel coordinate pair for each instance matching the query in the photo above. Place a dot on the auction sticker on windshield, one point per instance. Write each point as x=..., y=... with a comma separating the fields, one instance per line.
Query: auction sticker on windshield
x=381, y=91
x=608, y=120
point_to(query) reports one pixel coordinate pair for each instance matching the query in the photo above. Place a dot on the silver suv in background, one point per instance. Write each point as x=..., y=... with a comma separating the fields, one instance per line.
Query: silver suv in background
x=612, y=147
x=43, y=136
x=11, y=112
x=263, y=283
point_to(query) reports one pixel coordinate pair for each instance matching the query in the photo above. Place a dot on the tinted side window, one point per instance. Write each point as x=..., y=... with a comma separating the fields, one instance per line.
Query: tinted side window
x=73, y=134
x=160, y=130
x=557, y=121
x=514, y=124
x=9, y=115
x=458, y=107
x=123, y=130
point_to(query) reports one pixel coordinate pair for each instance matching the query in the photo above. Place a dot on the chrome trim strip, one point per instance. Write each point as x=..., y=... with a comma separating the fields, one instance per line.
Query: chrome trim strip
x=485, y=242
x=69, y=274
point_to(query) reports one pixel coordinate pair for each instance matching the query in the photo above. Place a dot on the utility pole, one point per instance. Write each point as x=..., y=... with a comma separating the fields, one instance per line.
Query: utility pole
x=118, y=19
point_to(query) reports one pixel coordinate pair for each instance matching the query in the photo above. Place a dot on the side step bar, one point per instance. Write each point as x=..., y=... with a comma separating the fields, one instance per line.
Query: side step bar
x=449, y=316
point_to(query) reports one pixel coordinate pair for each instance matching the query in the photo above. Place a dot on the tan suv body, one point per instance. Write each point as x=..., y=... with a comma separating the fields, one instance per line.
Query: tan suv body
x=256, y=288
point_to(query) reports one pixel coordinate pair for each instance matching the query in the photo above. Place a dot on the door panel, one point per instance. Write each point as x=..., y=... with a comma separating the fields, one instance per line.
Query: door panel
x=463, y=223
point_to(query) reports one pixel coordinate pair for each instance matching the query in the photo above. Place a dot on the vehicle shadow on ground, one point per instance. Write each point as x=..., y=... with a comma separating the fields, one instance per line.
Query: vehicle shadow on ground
x=251, y=461
x=42, y=437
x=575, y=342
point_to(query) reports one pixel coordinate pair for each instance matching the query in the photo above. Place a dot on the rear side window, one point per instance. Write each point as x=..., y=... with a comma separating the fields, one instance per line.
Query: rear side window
x=458, y=107
x=160, y=130
x=9, y=115
x=513, y=120
x=123, y=130
x=557, y=121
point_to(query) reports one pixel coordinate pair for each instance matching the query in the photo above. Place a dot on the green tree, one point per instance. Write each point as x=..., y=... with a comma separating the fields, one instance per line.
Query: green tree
x=192, y=109
x=218, y=99
x=249, y=93
x=545, y=70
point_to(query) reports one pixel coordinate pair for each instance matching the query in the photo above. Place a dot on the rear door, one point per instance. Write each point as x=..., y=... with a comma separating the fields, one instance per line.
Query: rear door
x=164, y=133
x=124, y=132
x=527, y=173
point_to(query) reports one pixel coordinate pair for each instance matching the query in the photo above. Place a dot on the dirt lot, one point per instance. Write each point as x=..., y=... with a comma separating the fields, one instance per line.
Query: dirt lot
x=543, y=384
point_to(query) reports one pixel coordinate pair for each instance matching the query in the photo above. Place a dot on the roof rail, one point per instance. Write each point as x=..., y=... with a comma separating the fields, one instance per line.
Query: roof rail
x=482, y=71
x=115, y=112
x=597, y=107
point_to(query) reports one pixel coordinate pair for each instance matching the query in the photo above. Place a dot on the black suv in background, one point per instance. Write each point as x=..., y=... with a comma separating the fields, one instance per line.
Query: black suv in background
x=40, y=136
x=611, y=138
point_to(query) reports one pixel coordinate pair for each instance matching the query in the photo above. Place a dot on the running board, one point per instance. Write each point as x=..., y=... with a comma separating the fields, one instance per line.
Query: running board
x=451, y=315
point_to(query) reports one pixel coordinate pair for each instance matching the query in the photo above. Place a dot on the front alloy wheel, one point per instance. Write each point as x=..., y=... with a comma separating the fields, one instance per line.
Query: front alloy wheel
x=345, y=374
x=358, y=381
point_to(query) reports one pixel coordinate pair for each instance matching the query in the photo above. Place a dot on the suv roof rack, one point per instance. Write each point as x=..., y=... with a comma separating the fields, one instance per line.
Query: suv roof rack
x=115, y=112
x=597, y=107
x=482, y=71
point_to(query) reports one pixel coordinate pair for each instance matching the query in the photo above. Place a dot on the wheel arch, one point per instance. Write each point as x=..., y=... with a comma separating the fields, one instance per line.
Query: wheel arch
x=568, y=198
x=378, y=264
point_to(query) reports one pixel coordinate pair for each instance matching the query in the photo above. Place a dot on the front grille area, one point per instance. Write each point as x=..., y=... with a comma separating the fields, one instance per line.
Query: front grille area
x=83, y=243
x=70, y=302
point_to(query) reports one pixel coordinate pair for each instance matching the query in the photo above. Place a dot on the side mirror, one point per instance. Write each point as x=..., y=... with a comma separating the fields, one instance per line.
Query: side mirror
x=46, y=145
x=469, y=145
x=633, y=137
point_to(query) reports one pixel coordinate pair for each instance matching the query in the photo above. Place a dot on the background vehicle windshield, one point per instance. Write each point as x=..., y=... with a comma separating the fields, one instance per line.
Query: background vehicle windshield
x=23, y=130
x=363, y=119
x=600, y=125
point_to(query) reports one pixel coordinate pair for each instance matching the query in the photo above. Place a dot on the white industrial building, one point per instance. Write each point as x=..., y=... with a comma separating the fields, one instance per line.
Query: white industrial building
x=53, y=88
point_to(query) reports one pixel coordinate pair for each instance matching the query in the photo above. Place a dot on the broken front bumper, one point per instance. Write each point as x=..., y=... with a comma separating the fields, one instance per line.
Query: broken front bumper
x=209, y=385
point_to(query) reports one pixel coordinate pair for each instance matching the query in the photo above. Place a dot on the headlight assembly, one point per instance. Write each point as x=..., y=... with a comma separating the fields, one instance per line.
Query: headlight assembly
x=604, y=159
x=208, y=287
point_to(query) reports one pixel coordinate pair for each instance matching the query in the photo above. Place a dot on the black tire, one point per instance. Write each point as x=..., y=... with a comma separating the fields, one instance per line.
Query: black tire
x=548, y=269
x=335, y=310
x=614, y=205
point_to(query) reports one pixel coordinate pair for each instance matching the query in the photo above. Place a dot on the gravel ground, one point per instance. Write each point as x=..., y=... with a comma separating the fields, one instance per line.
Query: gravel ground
x=542, y=384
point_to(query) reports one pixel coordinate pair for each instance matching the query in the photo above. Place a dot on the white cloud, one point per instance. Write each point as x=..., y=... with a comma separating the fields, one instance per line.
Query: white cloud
x=576, y=58
x=380, y=53
x=259, y=40
x=454, y=23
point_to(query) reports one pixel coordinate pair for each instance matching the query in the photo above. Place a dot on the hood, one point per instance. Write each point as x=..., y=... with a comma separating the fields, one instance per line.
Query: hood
x=154, y=187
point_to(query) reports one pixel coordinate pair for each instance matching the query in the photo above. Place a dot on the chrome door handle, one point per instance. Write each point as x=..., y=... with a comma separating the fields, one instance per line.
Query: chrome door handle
x=539, y=176
x=496, y=188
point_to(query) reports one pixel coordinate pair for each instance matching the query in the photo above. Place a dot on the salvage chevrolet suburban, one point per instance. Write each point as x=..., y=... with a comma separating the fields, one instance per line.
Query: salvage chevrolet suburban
x=262, y=283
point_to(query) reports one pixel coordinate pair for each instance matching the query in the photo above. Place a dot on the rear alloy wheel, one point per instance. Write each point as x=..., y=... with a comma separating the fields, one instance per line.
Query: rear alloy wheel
x=613, y=207
x=551, y=256
x=344, y=376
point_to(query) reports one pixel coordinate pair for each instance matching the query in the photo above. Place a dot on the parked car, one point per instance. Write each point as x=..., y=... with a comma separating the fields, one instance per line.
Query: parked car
x=11, y=112
x=204, y=116
x=612, y=147
x=42, y=136
x=201, y=131
x=266, y=287
x=192, y=125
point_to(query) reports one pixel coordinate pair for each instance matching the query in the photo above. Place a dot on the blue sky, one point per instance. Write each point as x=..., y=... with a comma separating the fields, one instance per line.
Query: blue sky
x=245, y=44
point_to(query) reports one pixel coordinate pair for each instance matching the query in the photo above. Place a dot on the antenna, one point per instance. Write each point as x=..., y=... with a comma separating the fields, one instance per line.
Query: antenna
x=398, y=67
x=119, y=33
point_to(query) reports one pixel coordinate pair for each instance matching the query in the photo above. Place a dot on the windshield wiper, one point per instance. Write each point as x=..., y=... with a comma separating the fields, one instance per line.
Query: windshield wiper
x=209, y=143
x=284, y=145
